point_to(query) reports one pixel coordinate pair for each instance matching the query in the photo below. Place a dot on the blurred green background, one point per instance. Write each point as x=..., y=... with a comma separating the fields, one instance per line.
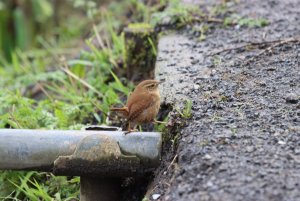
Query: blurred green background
x=61, y=65
x=24, y=22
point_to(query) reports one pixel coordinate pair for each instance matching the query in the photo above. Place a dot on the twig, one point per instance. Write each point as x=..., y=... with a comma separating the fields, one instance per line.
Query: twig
x=100, y=109
x=41, y=87
x=81, y=81
x=172, y=162
x=44, y=91
x=277, y=42
x=229, y=49
x=159, y=122
x=288, y=40
x=13, y=118
x=100, y=41
x=211, y=20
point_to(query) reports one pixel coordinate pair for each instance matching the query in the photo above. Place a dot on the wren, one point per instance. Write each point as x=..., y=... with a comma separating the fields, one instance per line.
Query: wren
x=142, y=105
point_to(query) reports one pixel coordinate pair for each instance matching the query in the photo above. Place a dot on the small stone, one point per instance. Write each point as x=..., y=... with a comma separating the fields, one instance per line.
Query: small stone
x=155, y=196
x=281, y=142
x=194, y=61
x=209, y=184
x=196, y=86
x=249, y=149
x=292, y=98
x=271, y=68
x=262, y=83
x=207, y=157
x=276, y=134
x=297, y=151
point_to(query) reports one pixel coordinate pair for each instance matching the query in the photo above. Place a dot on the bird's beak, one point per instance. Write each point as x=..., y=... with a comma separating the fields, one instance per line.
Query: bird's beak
x=161, y=81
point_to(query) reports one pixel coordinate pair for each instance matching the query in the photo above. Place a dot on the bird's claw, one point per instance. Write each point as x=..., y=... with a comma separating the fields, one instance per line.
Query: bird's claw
x=130, y=130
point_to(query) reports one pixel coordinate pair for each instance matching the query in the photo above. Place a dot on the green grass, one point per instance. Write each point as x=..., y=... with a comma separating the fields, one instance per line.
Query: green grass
x=38, y=186
x=70, y=94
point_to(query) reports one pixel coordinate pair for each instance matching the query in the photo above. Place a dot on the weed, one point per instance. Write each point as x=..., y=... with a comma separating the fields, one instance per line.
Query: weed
x=203, y=143
x=176, y=13
x=187, y=110
x=177, y=119
x=219, y=10
x=233, y=131
x=217, y=60
x=245, y=21
x=175, y=141
x=202, y=29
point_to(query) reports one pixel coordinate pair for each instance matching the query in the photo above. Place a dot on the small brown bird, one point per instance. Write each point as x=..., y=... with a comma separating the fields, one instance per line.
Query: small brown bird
x=142, y=104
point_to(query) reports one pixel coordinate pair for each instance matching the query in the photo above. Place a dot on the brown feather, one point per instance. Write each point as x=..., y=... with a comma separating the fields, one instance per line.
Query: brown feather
x=124, y=110
x=139, y=105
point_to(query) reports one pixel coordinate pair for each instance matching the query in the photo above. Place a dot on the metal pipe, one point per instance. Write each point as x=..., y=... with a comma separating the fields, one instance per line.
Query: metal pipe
x=74, y=152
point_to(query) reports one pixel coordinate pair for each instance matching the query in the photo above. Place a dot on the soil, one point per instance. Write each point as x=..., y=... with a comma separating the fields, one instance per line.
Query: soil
x=243, y=140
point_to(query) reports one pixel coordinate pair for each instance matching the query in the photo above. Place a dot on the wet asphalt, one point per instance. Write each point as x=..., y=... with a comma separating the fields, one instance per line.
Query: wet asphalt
x=243, y=140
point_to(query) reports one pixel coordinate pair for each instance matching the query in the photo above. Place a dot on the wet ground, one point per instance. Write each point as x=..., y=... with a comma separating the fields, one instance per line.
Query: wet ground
x=243, y=140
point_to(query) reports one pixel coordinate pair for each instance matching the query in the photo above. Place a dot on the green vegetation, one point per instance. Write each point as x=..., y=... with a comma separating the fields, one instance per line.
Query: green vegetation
x=53, y=85
x=37, y=186
x=72, y=92
x=177, y=13
x=176, y=121
x=224, y=14
x=186, y=112
x=245, y=21
x=140, y=45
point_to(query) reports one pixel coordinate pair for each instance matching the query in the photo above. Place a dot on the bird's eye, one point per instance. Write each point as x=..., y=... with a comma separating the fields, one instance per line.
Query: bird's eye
x=150, y=87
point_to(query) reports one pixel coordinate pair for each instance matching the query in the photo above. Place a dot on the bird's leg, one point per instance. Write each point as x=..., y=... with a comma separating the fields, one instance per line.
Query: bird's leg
x=129, y=130
x=158, y=122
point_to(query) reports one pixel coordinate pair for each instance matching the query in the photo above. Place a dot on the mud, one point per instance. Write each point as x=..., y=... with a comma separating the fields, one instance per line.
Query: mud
x=243, y=140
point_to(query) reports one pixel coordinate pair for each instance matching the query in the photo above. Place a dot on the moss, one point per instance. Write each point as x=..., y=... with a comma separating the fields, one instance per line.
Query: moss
x=140, y=45
x=140, y=26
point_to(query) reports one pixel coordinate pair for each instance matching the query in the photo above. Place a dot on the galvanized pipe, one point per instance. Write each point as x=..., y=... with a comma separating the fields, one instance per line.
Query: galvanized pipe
x=65, y=150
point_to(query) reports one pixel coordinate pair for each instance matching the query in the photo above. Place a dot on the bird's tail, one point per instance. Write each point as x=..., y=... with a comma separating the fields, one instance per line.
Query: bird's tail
x=122, y=110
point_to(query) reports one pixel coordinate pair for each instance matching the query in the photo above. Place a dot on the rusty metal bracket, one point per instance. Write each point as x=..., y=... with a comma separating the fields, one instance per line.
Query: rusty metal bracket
x=97, y=155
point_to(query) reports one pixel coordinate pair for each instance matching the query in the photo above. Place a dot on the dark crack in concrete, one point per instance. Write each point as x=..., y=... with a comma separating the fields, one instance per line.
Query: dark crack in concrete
x=243, y=141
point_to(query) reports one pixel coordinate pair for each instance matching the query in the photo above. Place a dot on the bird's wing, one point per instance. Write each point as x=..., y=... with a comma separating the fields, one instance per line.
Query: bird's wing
x=136, y=104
